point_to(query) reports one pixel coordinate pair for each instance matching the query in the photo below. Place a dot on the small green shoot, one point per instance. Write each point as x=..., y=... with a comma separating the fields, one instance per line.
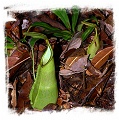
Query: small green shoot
x=94, y=46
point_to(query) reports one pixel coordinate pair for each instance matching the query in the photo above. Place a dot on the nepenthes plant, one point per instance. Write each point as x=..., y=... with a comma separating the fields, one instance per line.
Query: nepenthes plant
x=44, y=90
x=84, y=55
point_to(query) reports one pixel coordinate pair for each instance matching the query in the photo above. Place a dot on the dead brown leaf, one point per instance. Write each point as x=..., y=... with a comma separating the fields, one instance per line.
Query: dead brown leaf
x=101, y=57
x=24, y=93
x=13, y=94
x=75, y=43
x=76, y=66
x=16, y=59
x=96, y=86
x=66, y=105
x=75, y=56
x=91, y=70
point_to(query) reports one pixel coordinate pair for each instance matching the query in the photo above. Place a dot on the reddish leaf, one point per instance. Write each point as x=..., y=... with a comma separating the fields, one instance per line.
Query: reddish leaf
x=101, y=57
x=109, y=29
x=91, y=70
x=109, y=20
x=80, y=64
x=12, y=61
x=73, y=44
x=76, y=66
x=77, y=54
x=41, y=47
x=16, y=59
x=65, y=72
x=15, y=29
x=59, y=101
x=103, y=35
x=98, y=14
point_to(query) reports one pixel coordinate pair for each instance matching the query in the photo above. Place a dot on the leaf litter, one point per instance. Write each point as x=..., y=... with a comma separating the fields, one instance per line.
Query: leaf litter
x=82, y=81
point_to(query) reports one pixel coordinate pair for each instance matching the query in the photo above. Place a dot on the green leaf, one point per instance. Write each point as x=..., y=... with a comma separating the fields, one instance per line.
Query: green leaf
x=87, y=32
x=79, y=28
x=23, y=40
x=9, y=46
x=10, y=43
x=33, y=41
x=9, y=39
x=47, y=55
x=94, y=46
x=75, y=13
x=45, y=26
x=88, y=24
x=44, y=90
x=95, y=19
x=62, y=14
x=35, y=35
x=65, y=37
x=84, y=22
x=63, y=34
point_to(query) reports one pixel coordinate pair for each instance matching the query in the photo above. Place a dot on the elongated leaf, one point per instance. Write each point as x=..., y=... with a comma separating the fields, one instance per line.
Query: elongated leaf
x=94, y=46
x=32, y=43
x=56, y=32
x=101, y=57
x=75, y=13
x=62, y=14
x=13, y=94
x=44, y=90
x=35, y=35
x=88, y=24
x=60, y=33
x=85, y=22
x=87, y=32
x=79, y=28
x=64, y=34
x=45, y=26
x=65, y=37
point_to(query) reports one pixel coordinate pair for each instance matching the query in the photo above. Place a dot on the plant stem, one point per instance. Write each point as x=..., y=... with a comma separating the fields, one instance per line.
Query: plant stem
x=88, y=24
x=27, y=31
x=33, y=62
